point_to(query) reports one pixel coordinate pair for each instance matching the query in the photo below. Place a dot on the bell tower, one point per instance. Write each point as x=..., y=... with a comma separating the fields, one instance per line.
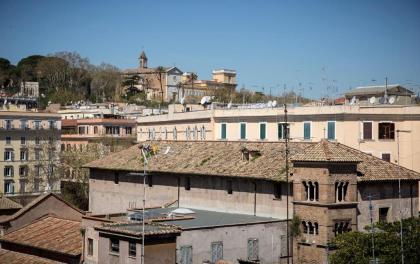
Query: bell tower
x=143, y=60
x=324, y=198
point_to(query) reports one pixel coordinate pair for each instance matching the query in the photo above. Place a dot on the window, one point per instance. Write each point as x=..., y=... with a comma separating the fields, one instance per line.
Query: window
x=307, y=130
x=9, y=187
x=114, y=245
x=23, y=124
x=187, y=183
x=8, y=171
x=277, y=190
x=253, y=249
x=386, y=157
x=128, y=130
x=9, y=124
x=383, y=214
x=37, y=154
x=216, y=251
x=175, y=135
x=263, y=131
x=22, y=186
x=386, y=130
x=243, y=130
x=229, y=187
x=22, y=140
x=223, y=131
x=150, y=180
x=331, y=130
x=187, y=133
x=36, y=185
x=132, y=249
x=116, y=178
x=8, y=155
x=367, y=130
x=341, y=227
x=186, y=255
x=37, y=171
x=90, y=247
x=8, y=140
x=51, y=124
x=283, y=130
x=23, y=154
x=341, y=191
x=203, y=133
x=36, y=140
x=311, y=190
x=23, y=171
x=37, y=124
x=95, y=130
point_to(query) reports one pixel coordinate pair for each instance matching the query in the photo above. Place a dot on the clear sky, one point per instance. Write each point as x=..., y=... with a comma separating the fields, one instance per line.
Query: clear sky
x=270, y=43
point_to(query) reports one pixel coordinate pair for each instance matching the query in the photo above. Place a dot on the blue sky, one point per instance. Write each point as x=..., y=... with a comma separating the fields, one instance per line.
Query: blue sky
x=270, y=43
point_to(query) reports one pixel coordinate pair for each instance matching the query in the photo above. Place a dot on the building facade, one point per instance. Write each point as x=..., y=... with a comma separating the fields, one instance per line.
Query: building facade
x=30, y=142
x=377, y=130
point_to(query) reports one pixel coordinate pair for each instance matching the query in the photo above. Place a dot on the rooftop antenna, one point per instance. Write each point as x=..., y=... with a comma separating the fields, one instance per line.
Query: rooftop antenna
x=287, y=181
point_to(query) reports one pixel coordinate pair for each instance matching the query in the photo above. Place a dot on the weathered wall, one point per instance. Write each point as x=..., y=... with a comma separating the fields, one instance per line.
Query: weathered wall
x=207, y=193
x=385, y=194
x=271, y=239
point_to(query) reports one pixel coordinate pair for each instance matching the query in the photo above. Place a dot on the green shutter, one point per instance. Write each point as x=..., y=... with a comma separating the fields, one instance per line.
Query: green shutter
x=243, y=131
x=223, y=134
x=331, y=130
x=307, y=130
x=280, y=131
x=262, y=131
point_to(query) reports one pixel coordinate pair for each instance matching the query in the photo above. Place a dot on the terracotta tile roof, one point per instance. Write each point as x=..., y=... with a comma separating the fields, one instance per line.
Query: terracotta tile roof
x=326, y=151
x=50, y=233
x=6, y=203
x=136, y=229
x=12, y=257
x=225, y=158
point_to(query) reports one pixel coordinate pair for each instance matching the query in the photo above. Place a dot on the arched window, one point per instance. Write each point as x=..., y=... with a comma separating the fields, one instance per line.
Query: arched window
x=306, y=187
x=316, y=191
x=316, y=228
x=341, y=191
x=304, y=227
x=311, y=191
x=311, y=228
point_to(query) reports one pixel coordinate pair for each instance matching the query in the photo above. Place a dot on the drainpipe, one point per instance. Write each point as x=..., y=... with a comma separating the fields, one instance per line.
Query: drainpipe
x=179, y=186
x=255, y=198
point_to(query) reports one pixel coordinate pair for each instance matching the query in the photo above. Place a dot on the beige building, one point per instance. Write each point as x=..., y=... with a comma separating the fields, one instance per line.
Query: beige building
x=371, y=129
x=30, y=142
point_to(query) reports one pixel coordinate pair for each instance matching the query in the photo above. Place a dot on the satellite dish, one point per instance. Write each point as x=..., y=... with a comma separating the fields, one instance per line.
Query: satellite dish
x=182, y=211
x=205, y=100
x=372, y=100
x=353, y=100
x=392, y=99
x=274, y=103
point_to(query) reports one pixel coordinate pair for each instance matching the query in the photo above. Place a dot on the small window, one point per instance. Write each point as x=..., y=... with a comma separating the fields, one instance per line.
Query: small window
x=90, y=247
x=114, y=245
x=186, y=255
x=187, y=183
x=223, y=131
x=307, y=130
x=331, y=130
x=263, y=131
x=132, y=249
x=8, y=171
x=277, y=190
x=383, y=214
x=283, y=130
x=216, y=251
x=386, y=157
x=229, y=187
x=367, y=130
x=243, y=131
x=253, y=249
x=8, y=140
x=150, y=180
x=95, y=130
x=116, y=178
x=386, y=130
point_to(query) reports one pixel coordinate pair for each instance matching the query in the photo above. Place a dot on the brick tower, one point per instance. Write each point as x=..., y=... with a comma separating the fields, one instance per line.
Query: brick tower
x=324, y=198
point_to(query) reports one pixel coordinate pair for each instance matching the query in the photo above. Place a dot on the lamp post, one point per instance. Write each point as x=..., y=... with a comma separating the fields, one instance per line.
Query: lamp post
x=399, y=191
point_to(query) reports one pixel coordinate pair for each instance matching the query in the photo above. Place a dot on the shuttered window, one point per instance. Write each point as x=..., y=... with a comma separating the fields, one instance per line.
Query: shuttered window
x=386, y=157
x=307, y=130
x=331, y=130
x=186, y=255
x=216, y=251
x=253, y=249
x=263, y=131
x=223, y=131
x=243, y=130
x=367, y=130
x=386, y=130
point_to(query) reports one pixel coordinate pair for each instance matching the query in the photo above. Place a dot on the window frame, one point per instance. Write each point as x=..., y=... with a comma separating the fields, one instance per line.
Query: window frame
x=363, y=130
x=114, y=249
x=245, y=131
x=213, y=245
x=310, y=130
x=223, y=125
x=386, y=153
x=131, y=250
x=90, y=247
x=253, y=256
x=391, y=133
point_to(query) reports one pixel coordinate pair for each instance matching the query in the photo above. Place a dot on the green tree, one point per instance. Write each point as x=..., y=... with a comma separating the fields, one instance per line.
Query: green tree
x=159, y=73
x=105, y=82
x=27, y=68
x=8, y=76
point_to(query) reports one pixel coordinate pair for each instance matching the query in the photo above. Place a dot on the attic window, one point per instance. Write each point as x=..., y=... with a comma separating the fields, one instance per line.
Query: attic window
x=248, y=154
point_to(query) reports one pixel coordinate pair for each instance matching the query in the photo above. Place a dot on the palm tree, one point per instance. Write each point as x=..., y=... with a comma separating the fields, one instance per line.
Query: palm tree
x=192, y=77
x=159, y=72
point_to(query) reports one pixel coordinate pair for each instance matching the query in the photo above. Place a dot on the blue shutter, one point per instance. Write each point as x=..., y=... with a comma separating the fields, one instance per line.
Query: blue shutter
x=243, y=131
x=262, y=131
x=307, y=130
x=223, y=134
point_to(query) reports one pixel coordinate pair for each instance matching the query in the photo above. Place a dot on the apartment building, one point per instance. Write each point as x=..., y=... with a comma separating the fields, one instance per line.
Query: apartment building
x=30, y=143
x=379, y=130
